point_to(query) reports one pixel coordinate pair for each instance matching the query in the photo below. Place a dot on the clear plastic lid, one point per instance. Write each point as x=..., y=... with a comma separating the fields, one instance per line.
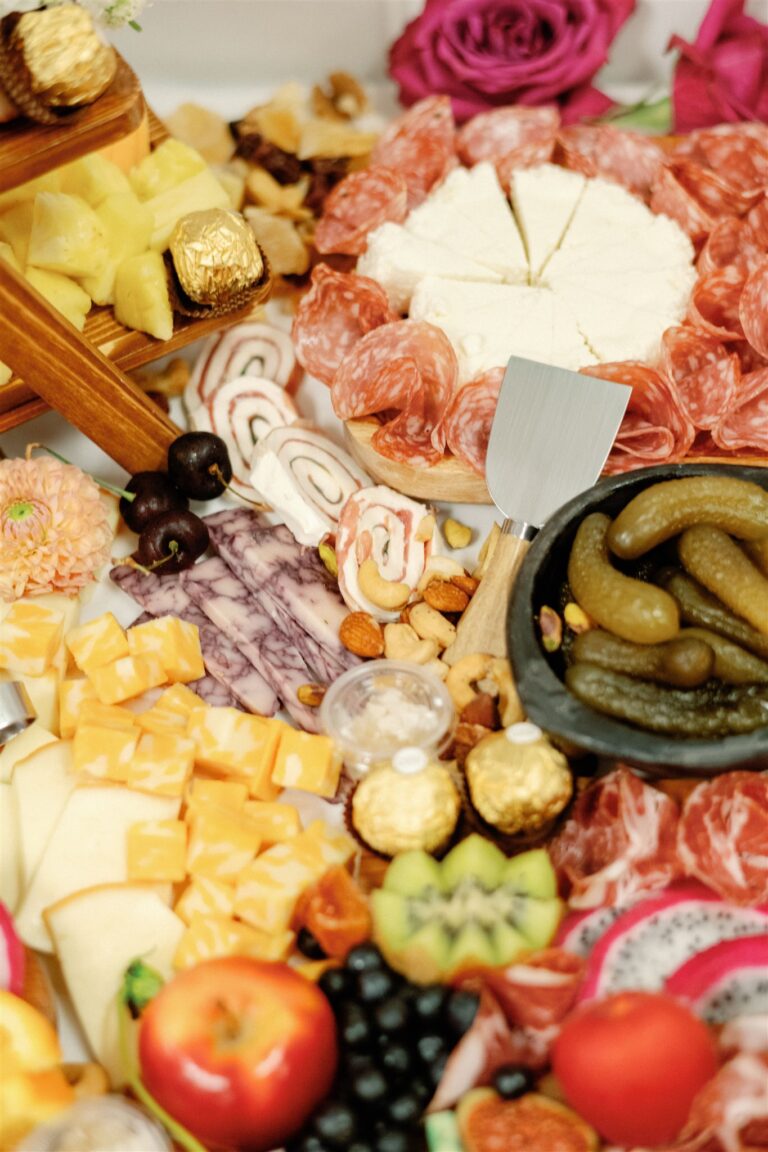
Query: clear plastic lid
x=384, y=705
x=99, y=1124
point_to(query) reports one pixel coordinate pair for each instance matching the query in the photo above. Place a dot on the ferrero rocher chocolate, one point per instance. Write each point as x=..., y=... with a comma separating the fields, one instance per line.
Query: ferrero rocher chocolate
x=215, y=256
x=410, y=803
x=61, y=57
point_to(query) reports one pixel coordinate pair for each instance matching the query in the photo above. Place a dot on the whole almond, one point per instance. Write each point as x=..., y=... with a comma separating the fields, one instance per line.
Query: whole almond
x=467, y=583
x=362, y=635
x=445, y=596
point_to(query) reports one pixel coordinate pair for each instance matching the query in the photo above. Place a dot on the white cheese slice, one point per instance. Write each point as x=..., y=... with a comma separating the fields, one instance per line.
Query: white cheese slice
x=488, y=323
x=41, y=785
x=470, y=214
x=398, y=260
x=615, y=328
x=545, y=200
x=665, y=291
x=9, y=848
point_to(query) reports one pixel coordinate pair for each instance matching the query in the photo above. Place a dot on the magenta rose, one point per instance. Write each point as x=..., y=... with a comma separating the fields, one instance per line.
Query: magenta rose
x=723, y=75
x=487, y=53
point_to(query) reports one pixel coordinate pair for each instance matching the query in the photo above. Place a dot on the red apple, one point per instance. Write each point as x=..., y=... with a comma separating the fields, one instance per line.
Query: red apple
x=239, y=1051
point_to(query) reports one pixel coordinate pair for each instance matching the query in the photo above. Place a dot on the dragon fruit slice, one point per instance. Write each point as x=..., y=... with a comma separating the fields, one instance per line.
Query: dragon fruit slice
x=727, y=980
x=580, y=931
x=650, y=941
x=11, y=955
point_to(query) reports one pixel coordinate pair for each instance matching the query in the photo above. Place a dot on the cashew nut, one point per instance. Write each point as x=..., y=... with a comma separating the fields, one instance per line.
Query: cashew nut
x=426, y=528
x=387, y=594
x=440, y=670
x=510, y=707
x=402, y=642
x=466, y=676
x=431, y=624
x=439, y=566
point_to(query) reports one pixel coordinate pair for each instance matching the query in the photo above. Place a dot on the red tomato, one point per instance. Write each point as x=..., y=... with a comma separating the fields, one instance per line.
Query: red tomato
x=239, y=1051
x=631, y=1065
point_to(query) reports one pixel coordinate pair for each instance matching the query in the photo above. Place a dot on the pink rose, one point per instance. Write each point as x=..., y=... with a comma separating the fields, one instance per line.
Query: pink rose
x=487, y=53
x=723, y=75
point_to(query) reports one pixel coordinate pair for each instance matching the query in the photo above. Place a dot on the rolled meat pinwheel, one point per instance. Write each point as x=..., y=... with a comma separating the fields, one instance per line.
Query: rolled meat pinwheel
x=394, y=532
x=306, y=478
x=243, y=412
x=253, y=349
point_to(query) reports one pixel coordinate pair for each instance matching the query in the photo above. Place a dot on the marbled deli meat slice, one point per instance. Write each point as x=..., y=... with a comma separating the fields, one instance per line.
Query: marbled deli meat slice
x=730, y=1113
x=230, y=607
x=387, y=527
x=705, y=374
x=421, y=145
x=469, y=419
x=715, y=302
x=732, y=243
x=243, y=412
x=165, y=595
x=252, y=349
x=745, y=426
x=722, y=839
x=358, y=204
x=306, y=478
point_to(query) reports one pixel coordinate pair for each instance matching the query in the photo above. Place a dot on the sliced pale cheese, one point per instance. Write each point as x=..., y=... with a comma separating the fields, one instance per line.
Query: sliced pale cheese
x=87, y=847
x=29, y=637
x=399, y=260
x=42, y=785
x=307, y=761
x=210, y=936
x=98, y=642
x=469, y=214
x=97, y=934
x=544, y=199
x=21, y=746
x=488, y=323
x=10, y=862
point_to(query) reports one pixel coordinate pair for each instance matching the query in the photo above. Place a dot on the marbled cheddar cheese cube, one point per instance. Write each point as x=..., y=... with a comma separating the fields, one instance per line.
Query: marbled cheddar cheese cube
x=261, y=786
x=176, y=644
x=106, y=715
x=105, y=753
x=332, y=845
x=223, y=793
x=100, y=641
x=161, y=720
x=127, y=677
x=72, y=695
x=308, y=762
x=210, y=936
x=230, y=742
x=179, y=698
x=221, y=843
x=269, y=888
x=205, y=897
x=157, y=850
x=29, y=637
x=275, y=822
x=163, y=763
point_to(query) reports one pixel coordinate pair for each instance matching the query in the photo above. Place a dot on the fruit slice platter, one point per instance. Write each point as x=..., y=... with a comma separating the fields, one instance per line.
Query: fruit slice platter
x=279, y=870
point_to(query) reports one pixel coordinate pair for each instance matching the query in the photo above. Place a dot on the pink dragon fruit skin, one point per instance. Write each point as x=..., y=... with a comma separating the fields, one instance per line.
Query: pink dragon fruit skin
x=659, y=934
x=729, y=979
x=11, y=955
x=579, y=931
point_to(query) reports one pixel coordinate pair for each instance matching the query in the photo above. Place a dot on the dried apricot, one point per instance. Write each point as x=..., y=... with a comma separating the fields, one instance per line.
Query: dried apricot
x=336, y=913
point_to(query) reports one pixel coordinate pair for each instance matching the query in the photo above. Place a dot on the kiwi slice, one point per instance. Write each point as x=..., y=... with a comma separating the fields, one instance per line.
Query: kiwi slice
x=475, y=909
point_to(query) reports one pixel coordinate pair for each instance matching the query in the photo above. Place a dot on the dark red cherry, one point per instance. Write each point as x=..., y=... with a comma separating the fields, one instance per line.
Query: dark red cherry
x=199, y=465
x=172, y=542
x=154, y=493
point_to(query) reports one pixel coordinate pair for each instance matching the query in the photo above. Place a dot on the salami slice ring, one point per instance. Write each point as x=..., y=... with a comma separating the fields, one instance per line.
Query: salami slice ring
x=757, y=218
x=306, y=478
x=253, y=349
x=421, y=145
x=627, y=158
x=383, y=525
x=705, y=374
x=358, y=204
x=753, y=308
x=746, y=425
x=719, y=195
x=497, y=134
x=469, y=419
x=722, y=839
x=338, y=309
x=731, y=244
x=714, y=304
x=670, y=198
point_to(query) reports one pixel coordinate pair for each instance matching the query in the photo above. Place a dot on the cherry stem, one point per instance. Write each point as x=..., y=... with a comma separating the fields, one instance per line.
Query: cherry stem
x=129, y=496
x=148, y=569
x=216, y=471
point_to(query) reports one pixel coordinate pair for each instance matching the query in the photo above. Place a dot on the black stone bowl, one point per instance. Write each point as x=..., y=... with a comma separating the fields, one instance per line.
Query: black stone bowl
x=548, y=703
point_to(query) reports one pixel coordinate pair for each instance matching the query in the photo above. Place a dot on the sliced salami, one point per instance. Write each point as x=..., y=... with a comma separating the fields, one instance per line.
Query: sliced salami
x=333, y=314
x=469, y=418
x=746, y=425
x=627, y=158
x=358, y=204
x=421, y=145
x=757, y=218
x=722, y=838
x=512, y=136
x=714, y=304
x=617, y=843
x=253, y=349
x=718, y=195
x=731, y=244
x=306, y=478
x=670, y=198
x=705, y=374
x=408, y=367
x=753, y=308
x=742, y=157
x=387, y=527
x=242, y=413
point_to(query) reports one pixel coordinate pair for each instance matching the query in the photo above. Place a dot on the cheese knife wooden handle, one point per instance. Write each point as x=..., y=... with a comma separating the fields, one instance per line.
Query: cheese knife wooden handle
x=78, y=380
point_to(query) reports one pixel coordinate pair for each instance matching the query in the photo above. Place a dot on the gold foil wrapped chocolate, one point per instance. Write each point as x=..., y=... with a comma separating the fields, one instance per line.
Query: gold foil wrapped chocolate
x=410, y=803
x=215, y=256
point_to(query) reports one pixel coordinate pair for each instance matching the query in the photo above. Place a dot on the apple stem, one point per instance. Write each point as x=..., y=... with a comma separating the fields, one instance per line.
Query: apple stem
x=217, y=472
x=129, y=496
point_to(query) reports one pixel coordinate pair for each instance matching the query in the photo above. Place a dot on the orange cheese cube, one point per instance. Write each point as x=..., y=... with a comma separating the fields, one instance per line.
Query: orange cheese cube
x=205, y=897
x=233, y=743
x=163, y=763
x=275, y=821
x=269, y=888
x=179, y=698
x=308, y=762
x=175, y=643
x=127, y=677
x=225, y=793
x=72, y=696
x=30, y=635
x=157, y=850
x=161, y=720
x=100, y=641
x=211, y=936
x=221, y=843
x=332, y=845
x=102, y=752
x=106, y=715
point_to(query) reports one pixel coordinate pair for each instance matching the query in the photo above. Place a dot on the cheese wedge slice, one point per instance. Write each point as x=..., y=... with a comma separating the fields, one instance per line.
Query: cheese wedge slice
x=9, y=849
x=544, y=199
x=22, y=746
x=41, y=785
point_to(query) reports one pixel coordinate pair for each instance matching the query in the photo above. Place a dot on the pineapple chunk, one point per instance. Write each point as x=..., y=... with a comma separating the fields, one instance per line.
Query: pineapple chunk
x=93, y=178
x=67, y=236
x=7, y=253
x=15, y=228
x=170, y=164
x=141, y=295
x=204, y=130
x=198, y=192
x=281, y=243
x=129, y=226
x=233, y=183
x=48, y=182
x=64, y=294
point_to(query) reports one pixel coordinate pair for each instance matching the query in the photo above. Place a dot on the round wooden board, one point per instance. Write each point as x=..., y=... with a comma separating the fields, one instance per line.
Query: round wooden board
x=448, y=480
